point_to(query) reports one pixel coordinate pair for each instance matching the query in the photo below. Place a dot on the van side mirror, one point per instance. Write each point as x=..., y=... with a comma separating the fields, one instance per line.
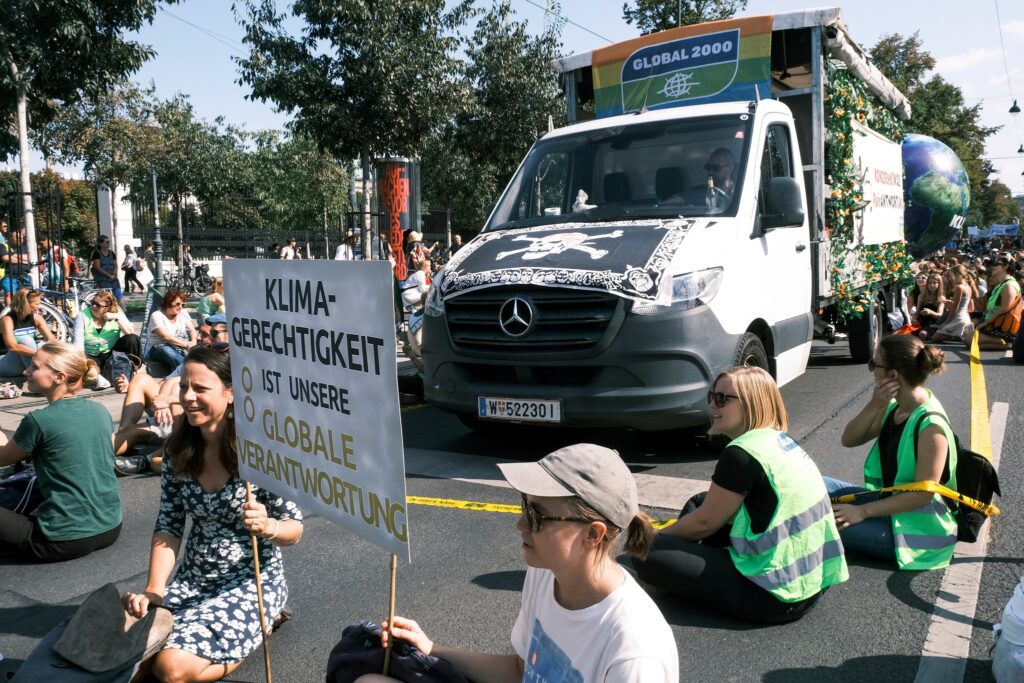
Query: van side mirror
x=783, y=204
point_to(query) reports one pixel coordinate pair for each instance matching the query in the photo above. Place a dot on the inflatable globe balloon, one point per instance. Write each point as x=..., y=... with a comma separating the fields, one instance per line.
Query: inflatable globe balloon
x=936, y=193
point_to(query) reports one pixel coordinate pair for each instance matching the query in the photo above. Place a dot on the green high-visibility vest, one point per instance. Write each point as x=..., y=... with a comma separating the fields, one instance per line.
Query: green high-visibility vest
x=925, y=537
x=800, y=553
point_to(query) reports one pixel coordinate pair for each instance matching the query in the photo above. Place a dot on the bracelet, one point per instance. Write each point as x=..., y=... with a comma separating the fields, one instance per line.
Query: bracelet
x=277, y=527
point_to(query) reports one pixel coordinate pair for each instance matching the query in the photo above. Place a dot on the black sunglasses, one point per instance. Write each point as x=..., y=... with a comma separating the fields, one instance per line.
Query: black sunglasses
x=719, y=398
x=715, y=168
x=872, y=365
x=534, y=518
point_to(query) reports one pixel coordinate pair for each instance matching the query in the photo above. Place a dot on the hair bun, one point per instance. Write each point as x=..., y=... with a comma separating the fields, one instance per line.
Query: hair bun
x=932, y=358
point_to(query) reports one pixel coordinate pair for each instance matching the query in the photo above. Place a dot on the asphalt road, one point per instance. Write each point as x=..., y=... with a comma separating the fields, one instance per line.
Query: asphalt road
x=463, y=583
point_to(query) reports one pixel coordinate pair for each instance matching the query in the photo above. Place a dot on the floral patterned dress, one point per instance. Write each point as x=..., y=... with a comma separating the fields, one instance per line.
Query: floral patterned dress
x=213, y=591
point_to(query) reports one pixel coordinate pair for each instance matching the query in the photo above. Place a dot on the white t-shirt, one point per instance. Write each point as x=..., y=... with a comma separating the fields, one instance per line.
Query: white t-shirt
x=344, y=253
x=287, y=252
x=178, y=328
x=413, y=288
x=622, y=639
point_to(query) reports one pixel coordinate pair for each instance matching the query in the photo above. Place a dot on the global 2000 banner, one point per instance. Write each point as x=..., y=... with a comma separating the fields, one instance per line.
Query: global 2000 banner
x=716, y=62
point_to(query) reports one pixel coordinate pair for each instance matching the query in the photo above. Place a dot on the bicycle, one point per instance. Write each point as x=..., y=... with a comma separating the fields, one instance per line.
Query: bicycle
x=60, y=310
x=192, y=283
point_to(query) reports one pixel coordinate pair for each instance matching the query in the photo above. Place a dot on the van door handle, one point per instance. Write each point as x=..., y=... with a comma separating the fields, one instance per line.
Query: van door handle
x=800, y=246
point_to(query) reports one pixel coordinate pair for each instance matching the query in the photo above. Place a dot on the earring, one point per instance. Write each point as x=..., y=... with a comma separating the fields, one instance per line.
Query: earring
x=231, y=411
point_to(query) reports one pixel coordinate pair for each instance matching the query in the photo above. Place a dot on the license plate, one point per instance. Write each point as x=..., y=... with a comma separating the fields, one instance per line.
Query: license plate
x=519, y=409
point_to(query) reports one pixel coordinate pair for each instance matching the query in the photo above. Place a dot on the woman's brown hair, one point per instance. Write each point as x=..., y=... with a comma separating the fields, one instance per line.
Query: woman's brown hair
x=639, y=536
x=171, y=296
x=106, y=297
x=911, y=358
x=186, y=444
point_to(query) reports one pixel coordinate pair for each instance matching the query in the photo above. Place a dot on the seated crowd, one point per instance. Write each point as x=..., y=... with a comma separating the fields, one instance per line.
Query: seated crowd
x=763, y=544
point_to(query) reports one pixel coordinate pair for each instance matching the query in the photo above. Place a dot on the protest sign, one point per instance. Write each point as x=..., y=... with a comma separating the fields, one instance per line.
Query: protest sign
x=316, y=391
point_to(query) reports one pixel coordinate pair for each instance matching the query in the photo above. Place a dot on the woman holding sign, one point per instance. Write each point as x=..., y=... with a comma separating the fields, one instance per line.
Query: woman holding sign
x=213, y=592
x=583, y=617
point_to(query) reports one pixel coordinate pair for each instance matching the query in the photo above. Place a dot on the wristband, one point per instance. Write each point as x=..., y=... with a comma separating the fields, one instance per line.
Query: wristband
x=277, y=527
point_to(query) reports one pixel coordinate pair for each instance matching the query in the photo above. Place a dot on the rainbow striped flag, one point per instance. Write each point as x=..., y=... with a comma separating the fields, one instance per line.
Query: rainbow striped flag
x=718, y=61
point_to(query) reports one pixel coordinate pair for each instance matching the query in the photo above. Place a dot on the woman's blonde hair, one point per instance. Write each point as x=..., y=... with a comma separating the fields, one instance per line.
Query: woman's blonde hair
x=760, y=399
x=70, y=360
x=106, y=297
x=218, y=282
x=21, y=303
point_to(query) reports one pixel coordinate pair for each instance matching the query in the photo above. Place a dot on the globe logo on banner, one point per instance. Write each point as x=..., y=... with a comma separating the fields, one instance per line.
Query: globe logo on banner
x=669, y=73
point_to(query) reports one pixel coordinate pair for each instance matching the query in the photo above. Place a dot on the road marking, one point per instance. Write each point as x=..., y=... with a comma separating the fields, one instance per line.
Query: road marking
x=948, y=644
x=981, y=439
x=478, y=506
x=1009, y=354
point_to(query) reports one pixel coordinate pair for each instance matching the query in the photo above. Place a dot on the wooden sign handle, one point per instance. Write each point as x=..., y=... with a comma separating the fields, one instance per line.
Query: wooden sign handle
x=259, y=591
x=391, y=613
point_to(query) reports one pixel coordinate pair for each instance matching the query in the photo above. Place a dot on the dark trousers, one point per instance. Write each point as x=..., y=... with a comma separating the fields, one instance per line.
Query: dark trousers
x=129, y=343
x=131, y=277
x=703, y=573
x=23, y=540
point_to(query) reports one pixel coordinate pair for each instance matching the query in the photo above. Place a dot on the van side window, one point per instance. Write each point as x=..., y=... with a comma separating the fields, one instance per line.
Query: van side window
x=776, y=161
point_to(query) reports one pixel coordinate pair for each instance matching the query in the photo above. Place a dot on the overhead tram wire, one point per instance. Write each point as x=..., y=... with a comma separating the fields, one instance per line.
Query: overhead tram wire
x=569, y=21
x=222, y=39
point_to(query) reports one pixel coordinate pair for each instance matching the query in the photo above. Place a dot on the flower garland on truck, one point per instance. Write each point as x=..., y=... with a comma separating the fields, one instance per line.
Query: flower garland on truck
x=846, y=100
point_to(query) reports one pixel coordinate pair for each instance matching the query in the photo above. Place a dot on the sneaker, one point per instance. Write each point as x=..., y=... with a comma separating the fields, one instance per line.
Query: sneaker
x=100, y=382
x=127, y=465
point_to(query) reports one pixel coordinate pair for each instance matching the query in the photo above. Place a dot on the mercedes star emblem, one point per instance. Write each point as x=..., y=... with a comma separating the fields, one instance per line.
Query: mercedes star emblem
x=515, y=317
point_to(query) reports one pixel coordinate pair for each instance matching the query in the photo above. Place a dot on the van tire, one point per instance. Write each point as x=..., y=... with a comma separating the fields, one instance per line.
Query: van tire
x=865, y=333
x=750, y=351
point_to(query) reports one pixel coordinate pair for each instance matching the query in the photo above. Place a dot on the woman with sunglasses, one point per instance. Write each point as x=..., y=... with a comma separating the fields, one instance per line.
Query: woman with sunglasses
x=213, y=591
x=761, y=545
x=1003, y=308
x=931, y=305
x=912, y=442
x=107, y=329
x=19, y=327
x=581, y=611
x=172, y=329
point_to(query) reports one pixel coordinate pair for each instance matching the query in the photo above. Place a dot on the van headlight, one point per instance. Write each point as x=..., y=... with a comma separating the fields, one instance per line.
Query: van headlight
x=688, y=291
x=434, y=307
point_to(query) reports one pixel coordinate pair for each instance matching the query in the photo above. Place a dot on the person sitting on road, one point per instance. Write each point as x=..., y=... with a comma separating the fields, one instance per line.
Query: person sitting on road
x=157, y=400
x=173, y=329
x=579, y=606
x=931, y=305
x=212, y=302
x=19, y=326
x=213, y=592
x=70, y=442
x=913, y=442
x=959, y=288
x=1003, y=307
x=107, y=329
x=767, y=508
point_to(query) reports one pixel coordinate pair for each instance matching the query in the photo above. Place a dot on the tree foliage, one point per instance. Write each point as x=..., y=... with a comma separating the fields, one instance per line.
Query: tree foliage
x=57, y=51
x=650, y=16
x=509, y=92
x=939, y=111
x=363, y=78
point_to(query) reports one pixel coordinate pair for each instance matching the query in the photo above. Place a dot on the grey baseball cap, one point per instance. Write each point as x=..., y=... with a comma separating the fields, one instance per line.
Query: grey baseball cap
x=594, y=474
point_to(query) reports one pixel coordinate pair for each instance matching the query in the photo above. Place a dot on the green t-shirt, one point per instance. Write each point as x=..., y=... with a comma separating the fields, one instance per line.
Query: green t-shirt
x=71, y=446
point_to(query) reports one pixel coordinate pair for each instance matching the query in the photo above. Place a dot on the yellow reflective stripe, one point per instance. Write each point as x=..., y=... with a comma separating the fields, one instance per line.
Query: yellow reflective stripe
x=463, y=504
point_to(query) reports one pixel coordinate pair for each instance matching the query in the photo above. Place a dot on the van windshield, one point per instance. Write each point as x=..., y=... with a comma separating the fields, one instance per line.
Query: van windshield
x=650, y=170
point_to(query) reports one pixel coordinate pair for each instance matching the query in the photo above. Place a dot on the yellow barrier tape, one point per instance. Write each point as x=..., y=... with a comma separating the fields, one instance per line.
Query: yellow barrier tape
x=987, y=509
x=981, y=439
x=494, y=507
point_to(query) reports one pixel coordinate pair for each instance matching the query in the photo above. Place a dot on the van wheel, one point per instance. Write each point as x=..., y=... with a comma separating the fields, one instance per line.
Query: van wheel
x=750, y=351
x=865, y=333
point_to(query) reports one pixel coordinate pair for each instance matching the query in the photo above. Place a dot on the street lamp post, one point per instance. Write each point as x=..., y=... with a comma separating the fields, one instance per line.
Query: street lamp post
x=158, y=243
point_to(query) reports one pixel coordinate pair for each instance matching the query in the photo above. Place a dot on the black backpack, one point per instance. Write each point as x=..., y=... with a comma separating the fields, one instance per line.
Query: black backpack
x=975, y=478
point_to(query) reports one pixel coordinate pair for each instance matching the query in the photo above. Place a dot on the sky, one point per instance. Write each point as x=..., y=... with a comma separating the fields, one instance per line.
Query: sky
x=196, y=41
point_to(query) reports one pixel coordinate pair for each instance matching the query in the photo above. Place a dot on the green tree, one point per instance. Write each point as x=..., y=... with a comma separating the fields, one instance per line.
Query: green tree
x=651, y=16
x=509, y=94
x=53, y=52
x=938, y=110
x=363, y=78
